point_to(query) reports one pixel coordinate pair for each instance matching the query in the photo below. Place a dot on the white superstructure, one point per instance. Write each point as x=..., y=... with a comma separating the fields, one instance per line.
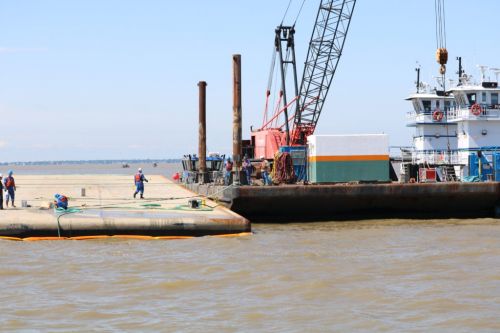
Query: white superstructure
x=435, y=137
x=477, y=115
x=452, y=125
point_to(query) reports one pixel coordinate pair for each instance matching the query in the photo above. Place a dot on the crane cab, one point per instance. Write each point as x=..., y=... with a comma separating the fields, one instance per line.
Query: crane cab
x=266, y=142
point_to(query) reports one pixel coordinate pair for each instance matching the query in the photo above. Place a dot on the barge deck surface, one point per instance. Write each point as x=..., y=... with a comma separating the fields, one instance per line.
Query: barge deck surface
x=287, y=203
x=108, y=208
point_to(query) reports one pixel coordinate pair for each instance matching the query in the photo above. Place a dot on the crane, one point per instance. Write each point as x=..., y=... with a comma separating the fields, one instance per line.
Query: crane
x=325, y=49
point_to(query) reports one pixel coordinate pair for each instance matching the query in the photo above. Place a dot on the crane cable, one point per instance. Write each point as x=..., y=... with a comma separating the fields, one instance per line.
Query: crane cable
x=300, y=11
x=273, y=63
x=286, y=11
x=441, y=53
x=440, y=23
x=442, y=59
x=271, y=70
x=298, y=14
x=269, y=86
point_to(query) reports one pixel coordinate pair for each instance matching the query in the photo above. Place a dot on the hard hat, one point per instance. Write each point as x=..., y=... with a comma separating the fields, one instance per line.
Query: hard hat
x=10, y=172
x=262, y=157
x=140, y=169
x=1, y=175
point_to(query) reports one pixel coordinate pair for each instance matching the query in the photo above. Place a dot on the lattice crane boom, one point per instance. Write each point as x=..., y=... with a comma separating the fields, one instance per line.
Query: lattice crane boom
x=325, y=49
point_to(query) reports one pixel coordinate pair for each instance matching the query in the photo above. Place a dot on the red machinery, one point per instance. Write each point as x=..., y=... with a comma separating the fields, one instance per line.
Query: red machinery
x=291, y=122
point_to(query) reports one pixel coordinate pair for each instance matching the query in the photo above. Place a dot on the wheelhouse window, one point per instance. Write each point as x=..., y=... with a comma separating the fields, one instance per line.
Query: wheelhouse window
x=494, y=98
x=483, y=97
x=416, y=105
x=427, y=106
x=460, y=100
x=447, y=105
x=471, y=98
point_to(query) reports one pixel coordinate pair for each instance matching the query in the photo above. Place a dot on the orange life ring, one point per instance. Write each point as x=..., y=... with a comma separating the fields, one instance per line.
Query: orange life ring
x=476, y=109
x=437, y=115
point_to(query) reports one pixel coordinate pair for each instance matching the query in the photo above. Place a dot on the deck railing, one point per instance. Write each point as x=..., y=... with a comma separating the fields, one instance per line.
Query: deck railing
x=422, y=117
x=455, y=113
x=436, y=157
x=464, y=113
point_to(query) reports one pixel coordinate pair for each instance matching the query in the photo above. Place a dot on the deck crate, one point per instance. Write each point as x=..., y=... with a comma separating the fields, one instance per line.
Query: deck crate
x=348, y=158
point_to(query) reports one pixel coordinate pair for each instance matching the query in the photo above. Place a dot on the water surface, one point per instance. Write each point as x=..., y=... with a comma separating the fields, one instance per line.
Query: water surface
x=376, y=276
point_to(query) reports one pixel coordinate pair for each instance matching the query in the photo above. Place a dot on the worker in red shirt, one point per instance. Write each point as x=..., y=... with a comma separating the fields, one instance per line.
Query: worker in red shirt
x=10, y=188
x=139, y=180
x=1, y=192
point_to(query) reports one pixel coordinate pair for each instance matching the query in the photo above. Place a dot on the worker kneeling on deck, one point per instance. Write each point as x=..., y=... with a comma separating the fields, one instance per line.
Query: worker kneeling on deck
x=139, y=180
x=61, y=201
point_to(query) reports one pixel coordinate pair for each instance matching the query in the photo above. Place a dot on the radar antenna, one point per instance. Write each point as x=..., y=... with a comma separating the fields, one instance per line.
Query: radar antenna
x=496, y=71
x=483, y=70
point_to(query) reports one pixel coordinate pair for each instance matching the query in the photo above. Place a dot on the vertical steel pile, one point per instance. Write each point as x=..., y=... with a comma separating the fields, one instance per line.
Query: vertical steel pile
x=202, y=133
x=237, y=149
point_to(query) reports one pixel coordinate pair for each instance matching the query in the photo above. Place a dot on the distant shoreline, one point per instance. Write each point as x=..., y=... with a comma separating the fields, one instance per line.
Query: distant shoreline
x=72, y=162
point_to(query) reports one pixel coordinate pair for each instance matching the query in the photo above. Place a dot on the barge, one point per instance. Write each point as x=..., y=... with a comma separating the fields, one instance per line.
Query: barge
x=332, y=202
x=450, y=172
x=102, y=206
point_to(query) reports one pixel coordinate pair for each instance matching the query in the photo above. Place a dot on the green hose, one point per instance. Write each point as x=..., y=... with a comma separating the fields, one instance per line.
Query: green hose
x=61, y=212
x=70, y=210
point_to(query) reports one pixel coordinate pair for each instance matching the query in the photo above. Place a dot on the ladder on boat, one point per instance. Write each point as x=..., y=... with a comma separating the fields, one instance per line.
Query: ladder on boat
x=449, y=174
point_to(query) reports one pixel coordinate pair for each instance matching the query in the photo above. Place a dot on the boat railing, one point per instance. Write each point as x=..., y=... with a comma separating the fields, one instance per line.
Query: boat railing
x=464, y=112
x=424, y=117
x=436, y=157
x=413, y=117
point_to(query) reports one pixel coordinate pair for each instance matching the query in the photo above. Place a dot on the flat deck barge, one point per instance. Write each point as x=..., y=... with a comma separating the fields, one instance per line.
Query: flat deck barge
x=105, y=207
x=358, y=201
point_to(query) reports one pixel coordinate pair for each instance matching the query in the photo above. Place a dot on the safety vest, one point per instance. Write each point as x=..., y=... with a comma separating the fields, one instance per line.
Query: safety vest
x=10, y=182
x=138, y=177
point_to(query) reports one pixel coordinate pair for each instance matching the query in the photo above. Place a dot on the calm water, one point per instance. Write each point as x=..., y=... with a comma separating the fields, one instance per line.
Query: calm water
x=377, y=276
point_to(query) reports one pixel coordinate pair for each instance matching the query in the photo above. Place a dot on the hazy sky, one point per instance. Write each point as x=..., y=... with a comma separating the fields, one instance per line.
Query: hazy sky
x=113, y=79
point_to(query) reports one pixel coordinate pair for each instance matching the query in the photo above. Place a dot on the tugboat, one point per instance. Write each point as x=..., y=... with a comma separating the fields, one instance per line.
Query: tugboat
x=433, y=156
x=457, y=133
x=477, y=116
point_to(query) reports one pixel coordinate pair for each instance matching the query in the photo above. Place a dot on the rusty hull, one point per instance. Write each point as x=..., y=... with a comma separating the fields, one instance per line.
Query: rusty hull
x=364, y=201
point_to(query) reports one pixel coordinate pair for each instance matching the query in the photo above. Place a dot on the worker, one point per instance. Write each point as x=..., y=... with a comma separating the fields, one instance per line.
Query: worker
x=139, y=180
x=1, y=192
x=10, y=189
x=247, y=168
x=264, y=171
x=229, y=171
x=61, y=201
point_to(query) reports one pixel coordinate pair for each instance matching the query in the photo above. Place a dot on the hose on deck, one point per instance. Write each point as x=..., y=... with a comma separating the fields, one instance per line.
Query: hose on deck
x=283, y=172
